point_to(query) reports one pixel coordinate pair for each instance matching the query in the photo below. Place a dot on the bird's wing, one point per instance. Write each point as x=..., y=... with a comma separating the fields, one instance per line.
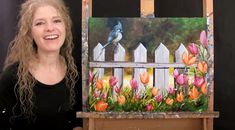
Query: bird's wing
x=112, y=36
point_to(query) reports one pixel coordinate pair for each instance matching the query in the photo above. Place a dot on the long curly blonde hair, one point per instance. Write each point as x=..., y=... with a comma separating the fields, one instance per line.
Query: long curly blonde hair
x=23, y=49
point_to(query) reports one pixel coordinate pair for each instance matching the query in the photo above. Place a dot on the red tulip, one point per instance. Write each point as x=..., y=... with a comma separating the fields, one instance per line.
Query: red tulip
x=113, y=81
x=159, y=98
x=182, y=79
x=198, y=81
x=203, y=38
x=176, y=73
x=133, y=84
x=193, y=49
x=117, y=89
x=149, y=107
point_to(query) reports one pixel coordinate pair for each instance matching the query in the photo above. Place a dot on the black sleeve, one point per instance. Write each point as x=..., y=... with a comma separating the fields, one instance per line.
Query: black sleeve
x=7, y=97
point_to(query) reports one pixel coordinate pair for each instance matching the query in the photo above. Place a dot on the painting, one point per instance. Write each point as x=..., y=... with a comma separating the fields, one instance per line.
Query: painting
x=151, y=64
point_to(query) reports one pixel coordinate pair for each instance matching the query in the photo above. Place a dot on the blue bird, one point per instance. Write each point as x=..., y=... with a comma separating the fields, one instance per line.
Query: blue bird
x=115, y=35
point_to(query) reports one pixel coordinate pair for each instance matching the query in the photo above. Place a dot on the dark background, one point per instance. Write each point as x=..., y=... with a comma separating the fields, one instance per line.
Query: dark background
x=224, y=25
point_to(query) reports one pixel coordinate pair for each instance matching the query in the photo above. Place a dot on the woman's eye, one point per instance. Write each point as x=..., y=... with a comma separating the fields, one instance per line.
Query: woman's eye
x=39, y=23
x=57, y=21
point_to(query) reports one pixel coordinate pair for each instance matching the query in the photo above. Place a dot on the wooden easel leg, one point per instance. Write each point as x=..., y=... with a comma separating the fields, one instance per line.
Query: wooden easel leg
x=91, y=124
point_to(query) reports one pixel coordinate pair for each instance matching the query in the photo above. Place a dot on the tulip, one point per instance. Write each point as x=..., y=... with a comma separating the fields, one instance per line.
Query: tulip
x=202, y=66
x=99, y=84
x=193, y=93
x=133, y=84
x=90, y=76
x=188, y=59
x=204, y=89
x=169, y=101
x=182, y=79
x=101, y=106
x=159, y=98
x=176, y=73
x=171, y=91
x=203, y=39
x=113, y=81
x=154, y=91
x=193, y=49
x=137, y=97
x=121, y=100
x=104, y=95
x=198, y=81
x=180, y=97
x=149, y=107
x=144, y=77
x=117, y=89
x=96, y=94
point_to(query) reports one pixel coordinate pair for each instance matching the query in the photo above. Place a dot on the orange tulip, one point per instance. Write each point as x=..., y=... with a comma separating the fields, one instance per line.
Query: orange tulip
x=144, y=77
x=193, y=93
x=188, y=59
x=180, y=97
x=101, y=106
x=169, y=101
x=121, y=99
x=154, y=91
x=99, y=84
x=202, y=66
x=203, y=88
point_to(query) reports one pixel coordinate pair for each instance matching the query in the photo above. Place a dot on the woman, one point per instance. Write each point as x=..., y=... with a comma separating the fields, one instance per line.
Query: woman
x=38, y=82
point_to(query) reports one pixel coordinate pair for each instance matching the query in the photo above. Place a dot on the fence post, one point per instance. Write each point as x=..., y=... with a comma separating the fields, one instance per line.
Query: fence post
x=119, y=55
x=99, y=55
x=140, y=55
x=161, y=76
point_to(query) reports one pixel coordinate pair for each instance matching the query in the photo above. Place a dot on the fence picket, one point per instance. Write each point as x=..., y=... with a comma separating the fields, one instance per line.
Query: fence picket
x=161, y=76
x=140, y=55
x=99, y=55
x=119, y=55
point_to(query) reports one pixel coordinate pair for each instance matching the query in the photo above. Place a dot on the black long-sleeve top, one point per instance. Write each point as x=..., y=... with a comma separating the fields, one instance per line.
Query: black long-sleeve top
x=51, y=105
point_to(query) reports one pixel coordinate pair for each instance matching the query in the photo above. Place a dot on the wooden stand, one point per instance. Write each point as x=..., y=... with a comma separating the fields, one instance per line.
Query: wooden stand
x=147, y=121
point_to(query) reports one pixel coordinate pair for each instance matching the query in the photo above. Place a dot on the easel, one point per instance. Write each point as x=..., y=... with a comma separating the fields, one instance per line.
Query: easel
x=134, y=121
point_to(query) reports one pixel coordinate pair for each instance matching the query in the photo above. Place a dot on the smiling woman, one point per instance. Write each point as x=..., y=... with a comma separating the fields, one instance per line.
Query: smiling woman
x=37, y=86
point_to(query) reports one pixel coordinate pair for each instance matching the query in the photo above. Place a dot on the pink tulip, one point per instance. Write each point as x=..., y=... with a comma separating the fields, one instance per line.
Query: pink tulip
x=203, y=38
x=171, y=91
x=198, y=81
x=133, y=84
x=193, y=49
x=104, y=95
x=159, y=98
x=113, y=81
x=137, y=96
x=149, y=107
x=96, y=94
x=176, y=73
x=90, y=76
x=182, y=79
x=117, y=89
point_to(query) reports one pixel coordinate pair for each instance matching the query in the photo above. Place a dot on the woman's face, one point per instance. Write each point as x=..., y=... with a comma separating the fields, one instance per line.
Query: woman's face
x=48, y=29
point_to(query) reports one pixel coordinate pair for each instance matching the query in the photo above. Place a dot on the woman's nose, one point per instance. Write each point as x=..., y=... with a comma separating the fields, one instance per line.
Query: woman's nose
x=49, y=27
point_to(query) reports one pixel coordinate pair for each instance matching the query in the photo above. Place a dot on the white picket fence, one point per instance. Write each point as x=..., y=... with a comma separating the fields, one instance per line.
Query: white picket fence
x=161, y=64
